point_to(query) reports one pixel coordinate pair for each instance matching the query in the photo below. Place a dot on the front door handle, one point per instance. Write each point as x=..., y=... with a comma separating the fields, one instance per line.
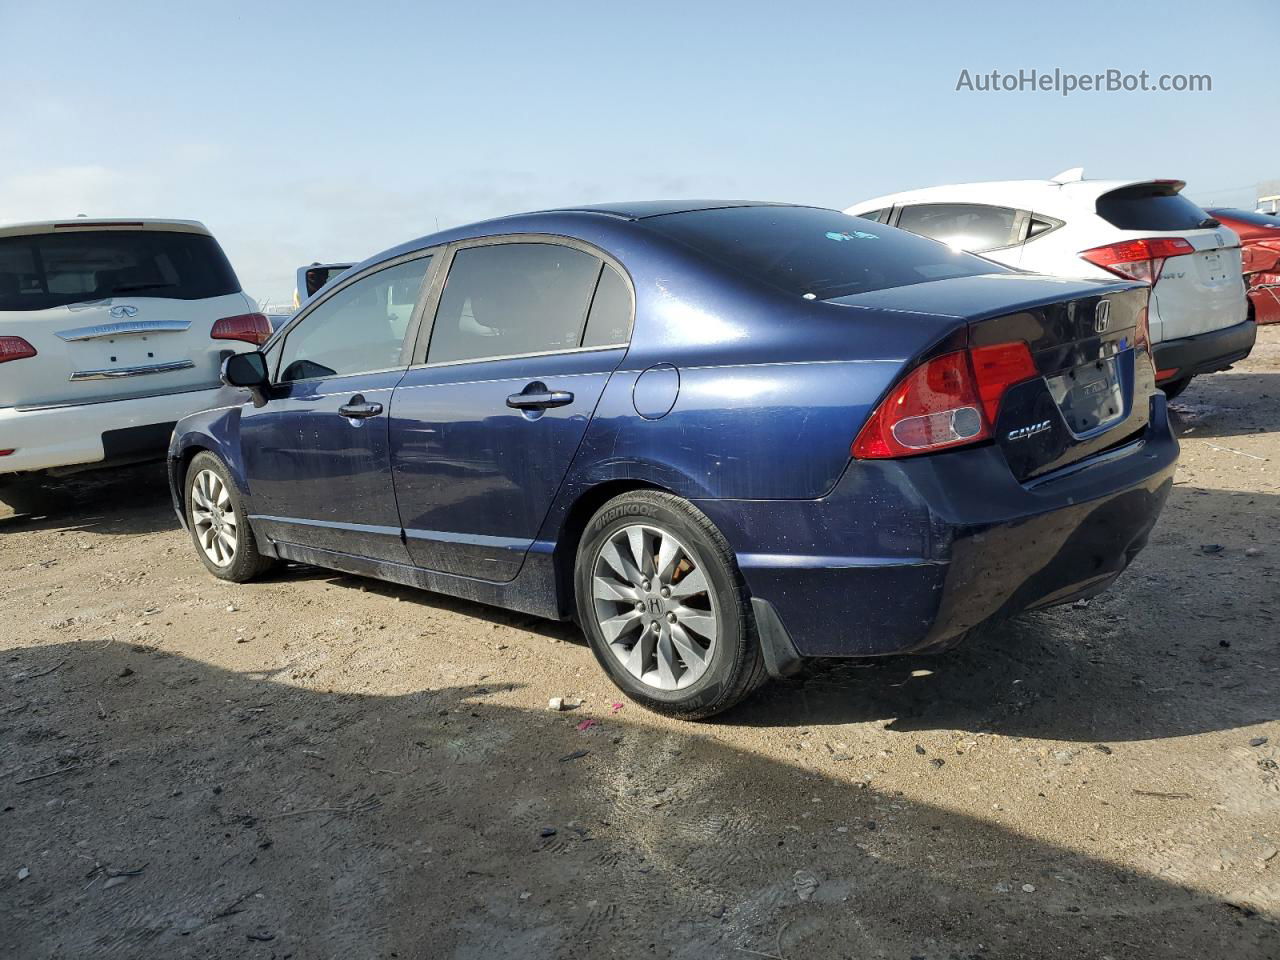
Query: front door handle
x=540, y=400
x=357, y=409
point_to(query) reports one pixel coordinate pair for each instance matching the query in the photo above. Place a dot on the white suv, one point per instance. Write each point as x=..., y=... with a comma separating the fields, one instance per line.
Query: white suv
x=1072, y=227
x=110, y=331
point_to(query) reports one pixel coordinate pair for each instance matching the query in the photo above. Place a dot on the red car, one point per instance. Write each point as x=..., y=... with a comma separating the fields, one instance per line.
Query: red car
x=1260, y=243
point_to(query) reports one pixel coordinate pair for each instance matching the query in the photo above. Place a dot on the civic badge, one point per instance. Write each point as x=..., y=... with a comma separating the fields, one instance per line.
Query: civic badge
x=1101, y=316
x=123, y=312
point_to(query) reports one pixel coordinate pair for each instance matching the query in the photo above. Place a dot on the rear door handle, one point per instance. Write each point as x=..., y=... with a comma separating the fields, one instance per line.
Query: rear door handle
x=541, y=400
x=357, y=409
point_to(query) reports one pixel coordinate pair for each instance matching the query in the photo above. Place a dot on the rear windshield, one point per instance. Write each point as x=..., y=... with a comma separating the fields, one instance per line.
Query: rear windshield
x=817, y=254
x=1150, y=206
x=1248, y=216
x=53, y=269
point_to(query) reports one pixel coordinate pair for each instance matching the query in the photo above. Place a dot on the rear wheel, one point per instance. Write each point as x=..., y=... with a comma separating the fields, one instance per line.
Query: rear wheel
x=665, y=608
x=1175, y=387
x=219, y=527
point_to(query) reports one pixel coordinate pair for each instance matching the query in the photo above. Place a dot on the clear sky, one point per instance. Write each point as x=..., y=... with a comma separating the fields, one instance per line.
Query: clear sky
x=328, y=131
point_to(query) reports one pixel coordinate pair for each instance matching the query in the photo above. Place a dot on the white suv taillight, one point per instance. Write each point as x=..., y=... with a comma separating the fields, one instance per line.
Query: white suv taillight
x=15, y=348
x=249, y=327
x=1138, y=259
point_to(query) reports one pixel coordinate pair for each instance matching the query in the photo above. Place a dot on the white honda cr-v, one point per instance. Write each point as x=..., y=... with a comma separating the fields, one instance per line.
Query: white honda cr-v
x=110, y=331
x=1072, y=227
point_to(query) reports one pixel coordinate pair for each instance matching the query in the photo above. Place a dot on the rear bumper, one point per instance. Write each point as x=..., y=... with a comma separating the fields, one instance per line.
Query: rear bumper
x=75, y=435
x=1205, y=352
x=904, y=556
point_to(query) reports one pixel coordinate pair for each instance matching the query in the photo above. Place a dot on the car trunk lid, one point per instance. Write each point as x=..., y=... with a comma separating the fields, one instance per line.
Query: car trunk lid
x=1084, y=337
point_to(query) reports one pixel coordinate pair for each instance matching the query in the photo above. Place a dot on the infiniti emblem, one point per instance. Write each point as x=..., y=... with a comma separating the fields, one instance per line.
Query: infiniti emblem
x=1102, y=316
x=121, y=312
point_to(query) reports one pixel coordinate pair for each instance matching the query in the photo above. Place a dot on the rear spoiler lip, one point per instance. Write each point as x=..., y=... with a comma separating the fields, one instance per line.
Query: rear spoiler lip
x=1066, y=289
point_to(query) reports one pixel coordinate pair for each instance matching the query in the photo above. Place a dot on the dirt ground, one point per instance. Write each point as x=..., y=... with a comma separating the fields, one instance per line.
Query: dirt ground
x=323, y=766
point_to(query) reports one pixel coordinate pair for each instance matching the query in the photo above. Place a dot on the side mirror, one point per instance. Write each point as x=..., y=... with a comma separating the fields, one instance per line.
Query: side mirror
x=248, y=370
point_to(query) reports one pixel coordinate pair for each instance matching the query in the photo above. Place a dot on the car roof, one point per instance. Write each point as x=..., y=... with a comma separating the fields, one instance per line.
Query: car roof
x=644, y=209
x=1065, y=192
x=589, y=222
x=115, y=223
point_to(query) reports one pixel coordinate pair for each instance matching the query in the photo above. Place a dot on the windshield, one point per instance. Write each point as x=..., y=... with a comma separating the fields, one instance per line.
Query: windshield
x=817, y=254
x=46, y=270
x=1248, y=216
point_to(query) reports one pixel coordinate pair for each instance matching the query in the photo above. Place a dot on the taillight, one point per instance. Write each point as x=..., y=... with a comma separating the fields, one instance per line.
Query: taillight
x=1138, y=259
x=15, y=348
x=949, y=401
x=249, y=327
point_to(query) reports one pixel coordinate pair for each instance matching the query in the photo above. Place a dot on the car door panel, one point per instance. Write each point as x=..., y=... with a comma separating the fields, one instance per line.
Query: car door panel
x=321, y=479
x=475, y=476
x=317, y=454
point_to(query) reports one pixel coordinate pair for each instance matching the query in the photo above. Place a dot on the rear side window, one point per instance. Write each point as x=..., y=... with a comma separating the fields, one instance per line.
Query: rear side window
x=969, y=226
x=509, y=299
x=814, y=253
x=1150, y=206
x=54, y=269
x=609, y=320
x=877, y=215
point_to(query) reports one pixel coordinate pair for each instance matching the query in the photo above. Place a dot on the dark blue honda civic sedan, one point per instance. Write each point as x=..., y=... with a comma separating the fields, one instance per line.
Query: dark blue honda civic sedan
x=723, y=437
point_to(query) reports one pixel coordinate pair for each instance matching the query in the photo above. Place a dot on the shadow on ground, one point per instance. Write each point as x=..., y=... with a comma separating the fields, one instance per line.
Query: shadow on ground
x=166, y=807
x=1228, y=405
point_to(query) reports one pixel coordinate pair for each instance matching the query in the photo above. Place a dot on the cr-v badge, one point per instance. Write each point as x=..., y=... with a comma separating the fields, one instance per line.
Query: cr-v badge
x=1023, y=432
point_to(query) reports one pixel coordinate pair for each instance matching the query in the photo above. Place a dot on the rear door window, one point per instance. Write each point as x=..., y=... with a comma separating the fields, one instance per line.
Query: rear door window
x=969, y=226
x=814, y=253
x=513, y=299
x=41, y=271
x=1150, y=206
x=609, y=320
x=359, y=329
x=878, y=216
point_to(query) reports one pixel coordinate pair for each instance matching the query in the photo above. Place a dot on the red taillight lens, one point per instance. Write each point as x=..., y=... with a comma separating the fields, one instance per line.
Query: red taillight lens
x=1138, y=259
x=949, y=401
x=999, y=367
x=249, y=327
x=15, y=348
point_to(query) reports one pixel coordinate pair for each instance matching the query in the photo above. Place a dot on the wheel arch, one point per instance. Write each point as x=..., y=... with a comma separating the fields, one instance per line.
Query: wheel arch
x=577, y=516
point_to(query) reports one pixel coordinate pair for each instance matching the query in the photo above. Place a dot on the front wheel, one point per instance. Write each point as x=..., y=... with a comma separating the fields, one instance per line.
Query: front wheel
x=219, y=527
x=665, y=608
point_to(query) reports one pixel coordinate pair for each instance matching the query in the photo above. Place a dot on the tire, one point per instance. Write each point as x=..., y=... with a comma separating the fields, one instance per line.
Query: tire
x=1175, y=387
x=24, y=495
x=674, y=630
x=216, y=518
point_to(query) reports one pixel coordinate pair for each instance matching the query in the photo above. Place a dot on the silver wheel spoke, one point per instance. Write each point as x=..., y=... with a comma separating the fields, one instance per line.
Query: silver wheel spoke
x=690, y=584
x=668, y=553
x=666, y=661
x=700, y=622
x=604, y=589
x=690, y=650
x=614, y=627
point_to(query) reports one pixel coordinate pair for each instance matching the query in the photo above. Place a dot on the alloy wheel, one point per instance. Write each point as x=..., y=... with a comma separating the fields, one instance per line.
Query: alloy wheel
x=214, y=518
x=654, y=606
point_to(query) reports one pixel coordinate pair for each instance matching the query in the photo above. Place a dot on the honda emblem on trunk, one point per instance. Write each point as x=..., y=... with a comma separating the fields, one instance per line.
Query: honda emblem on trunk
x=1102, y=316
x=122, y=312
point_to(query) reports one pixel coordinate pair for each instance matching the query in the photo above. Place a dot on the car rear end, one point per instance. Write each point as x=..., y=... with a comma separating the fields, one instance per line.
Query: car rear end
x=1199, y=311
x=1019, y=463
x=110, y=331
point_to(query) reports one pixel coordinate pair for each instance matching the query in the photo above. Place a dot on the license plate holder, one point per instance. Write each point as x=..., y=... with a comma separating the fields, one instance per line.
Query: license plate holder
x=1090, y=396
